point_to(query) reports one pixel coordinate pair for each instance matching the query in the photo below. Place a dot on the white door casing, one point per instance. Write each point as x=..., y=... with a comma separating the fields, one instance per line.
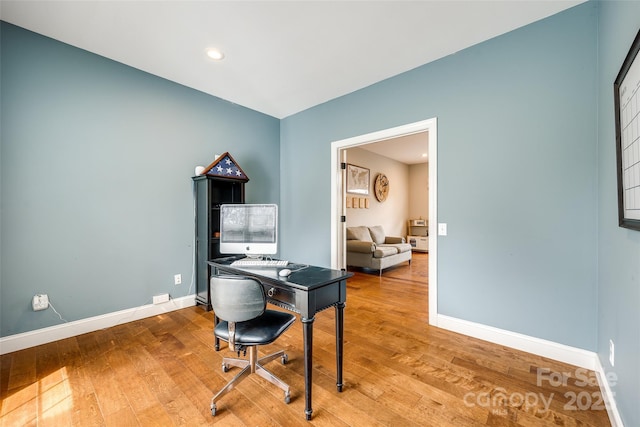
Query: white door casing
x=338, y=228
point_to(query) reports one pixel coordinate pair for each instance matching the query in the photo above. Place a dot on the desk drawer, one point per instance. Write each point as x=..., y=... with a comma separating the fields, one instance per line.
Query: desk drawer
x=281, y=295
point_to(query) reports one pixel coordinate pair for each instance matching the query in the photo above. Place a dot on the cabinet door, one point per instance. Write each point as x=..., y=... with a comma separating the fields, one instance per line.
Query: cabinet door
x=202, y=239
x=423, y=243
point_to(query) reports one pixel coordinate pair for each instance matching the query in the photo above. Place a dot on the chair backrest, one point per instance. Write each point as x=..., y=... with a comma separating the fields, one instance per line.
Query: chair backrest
x=236, y=298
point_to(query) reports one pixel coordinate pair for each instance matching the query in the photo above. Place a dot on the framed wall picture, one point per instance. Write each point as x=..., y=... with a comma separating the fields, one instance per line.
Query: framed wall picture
x=626, y=90
x=357, y=180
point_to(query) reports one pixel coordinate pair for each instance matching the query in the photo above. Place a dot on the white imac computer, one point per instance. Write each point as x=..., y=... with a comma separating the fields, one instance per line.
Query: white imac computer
x=250, y=229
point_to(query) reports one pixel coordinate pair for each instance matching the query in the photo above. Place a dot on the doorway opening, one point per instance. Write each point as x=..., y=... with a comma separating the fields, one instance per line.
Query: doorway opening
x=338, y=184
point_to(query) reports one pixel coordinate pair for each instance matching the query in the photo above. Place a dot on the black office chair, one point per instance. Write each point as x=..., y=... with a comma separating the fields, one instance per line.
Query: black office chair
x=245, y=323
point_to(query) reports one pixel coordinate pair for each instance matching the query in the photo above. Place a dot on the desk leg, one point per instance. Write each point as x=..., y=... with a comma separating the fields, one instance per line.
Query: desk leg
x=307, y=333
x=216, y=340
x=339, y=344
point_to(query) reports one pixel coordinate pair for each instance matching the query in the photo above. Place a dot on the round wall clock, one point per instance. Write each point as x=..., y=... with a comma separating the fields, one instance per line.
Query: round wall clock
x=381, y=187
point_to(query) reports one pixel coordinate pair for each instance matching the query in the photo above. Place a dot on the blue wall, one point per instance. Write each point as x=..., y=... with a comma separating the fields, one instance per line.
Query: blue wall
x=619, y=248
x=96, y=193
x=97, y=160
x=516, y=174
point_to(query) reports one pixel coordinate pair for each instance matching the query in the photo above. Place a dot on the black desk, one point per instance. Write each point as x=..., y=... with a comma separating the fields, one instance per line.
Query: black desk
x=307, y=292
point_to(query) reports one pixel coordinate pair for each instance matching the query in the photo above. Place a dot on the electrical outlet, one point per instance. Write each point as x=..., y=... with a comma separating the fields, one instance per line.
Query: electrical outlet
x=442, y=229
x=40, y=302
x=177, y=279
x=159, y=299
x=612, y=353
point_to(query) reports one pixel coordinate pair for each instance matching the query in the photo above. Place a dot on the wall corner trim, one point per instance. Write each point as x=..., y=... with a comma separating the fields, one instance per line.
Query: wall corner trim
x=24, y=340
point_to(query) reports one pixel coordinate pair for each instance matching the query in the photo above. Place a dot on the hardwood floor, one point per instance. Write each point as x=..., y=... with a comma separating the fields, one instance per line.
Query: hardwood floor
x=398, y=371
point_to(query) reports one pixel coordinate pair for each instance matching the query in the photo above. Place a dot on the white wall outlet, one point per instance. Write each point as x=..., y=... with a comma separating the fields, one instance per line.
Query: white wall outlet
x=442, y=229
x=40, y=302
x=159, y=299
x=177, y=279
x=612, y=353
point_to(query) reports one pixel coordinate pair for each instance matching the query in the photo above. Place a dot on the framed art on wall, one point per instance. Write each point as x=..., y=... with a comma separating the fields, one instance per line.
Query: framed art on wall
x=357, y=180
x=627, y=121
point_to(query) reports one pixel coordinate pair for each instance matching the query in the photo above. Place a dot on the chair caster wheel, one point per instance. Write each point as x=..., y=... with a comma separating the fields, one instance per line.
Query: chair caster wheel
x=225, y=367
x=213, y=409
x=287, y=398
x=284, y=359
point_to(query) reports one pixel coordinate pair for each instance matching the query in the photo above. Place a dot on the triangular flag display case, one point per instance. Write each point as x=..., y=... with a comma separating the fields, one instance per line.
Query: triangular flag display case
x=225, y=167
x=222, y=182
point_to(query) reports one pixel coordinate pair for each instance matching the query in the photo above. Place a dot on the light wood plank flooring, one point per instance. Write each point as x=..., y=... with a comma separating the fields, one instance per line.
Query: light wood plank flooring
x=398, y=371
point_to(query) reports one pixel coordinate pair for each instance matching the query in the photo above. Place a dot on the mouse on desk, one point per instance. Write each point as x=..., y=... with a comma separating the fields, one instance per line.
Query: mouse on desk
x=285, y=272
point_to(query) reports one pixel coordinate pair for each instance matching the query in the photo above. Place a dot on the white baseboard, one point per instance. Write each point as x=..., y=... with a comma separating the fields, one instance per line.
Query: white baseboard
x=552, y=350
x=17, y=342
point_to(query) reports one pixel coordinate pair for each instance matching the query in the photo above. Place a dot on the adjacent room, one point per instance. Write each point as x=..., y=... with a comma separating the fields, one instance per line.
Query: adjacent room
x=519, y=307
x=393, y=200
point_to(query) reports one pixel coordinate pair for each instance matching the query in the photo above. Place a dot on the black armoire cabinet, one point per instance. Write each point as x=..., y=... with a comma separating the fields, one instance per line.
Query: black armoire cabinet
x=213, y=189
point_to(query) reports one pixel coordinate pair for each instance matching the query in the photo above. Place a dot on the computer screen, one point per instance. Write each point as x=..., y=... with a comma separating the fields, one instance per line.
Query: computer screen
x=250, y=229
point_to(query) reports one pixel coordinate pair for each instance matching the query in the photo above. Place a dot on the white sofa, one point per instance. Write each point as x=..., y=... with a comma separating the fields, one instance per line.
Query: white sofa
x=368, y=247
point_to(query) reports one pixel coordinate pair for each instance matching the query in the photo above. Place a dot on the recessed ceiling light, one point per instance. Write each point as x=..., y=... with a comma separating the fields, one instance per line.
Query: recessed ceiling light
x=215, y=54
x=424, y=154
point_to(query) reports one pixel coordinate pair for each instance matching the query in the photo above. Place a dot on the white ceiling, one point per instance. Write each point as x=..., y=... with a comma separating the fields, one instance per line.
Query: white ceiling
x=409, y=149
x=282, y=57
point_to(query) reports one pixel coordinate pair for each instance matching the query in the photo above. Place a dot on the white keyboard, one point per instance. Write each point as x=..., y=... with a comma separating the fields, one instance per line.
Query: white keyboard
x=245, y=262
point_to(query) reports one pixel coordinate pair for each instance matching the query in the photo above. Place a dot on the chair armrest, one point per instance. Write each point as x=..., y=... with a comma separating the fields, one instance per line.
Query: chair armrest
x=389, y=240
x=360, y=246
